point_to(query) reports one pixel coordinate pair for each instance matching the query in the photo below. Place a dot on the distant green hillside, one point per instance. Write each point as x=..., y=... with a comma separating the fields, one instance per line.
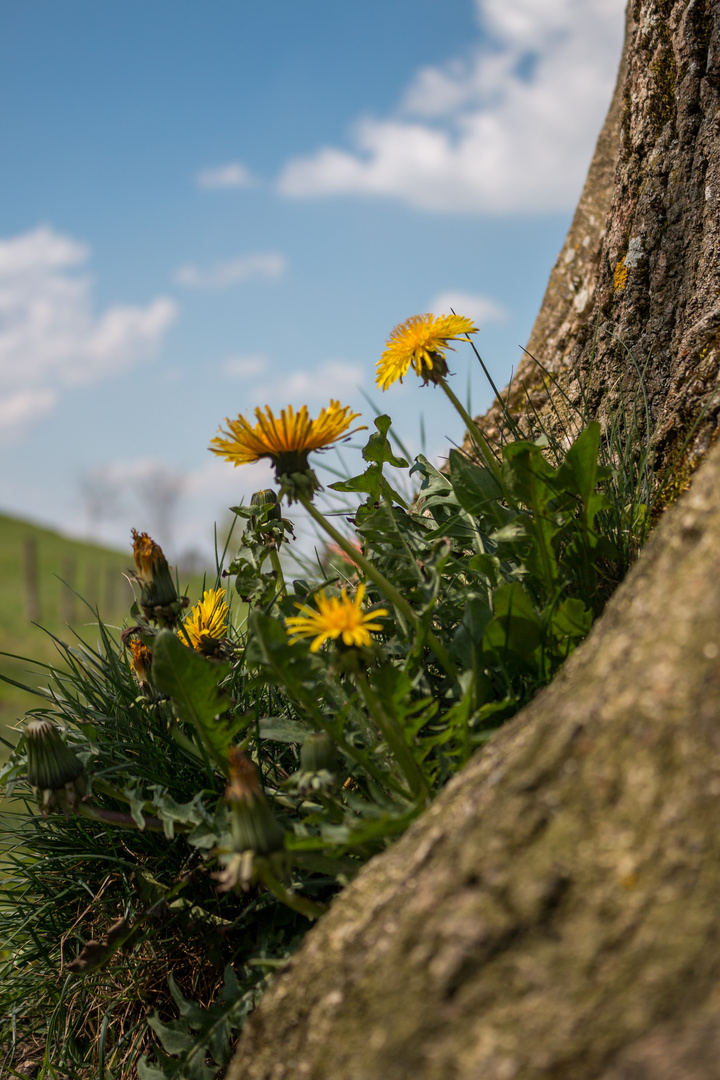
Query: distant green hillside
x=39, y=569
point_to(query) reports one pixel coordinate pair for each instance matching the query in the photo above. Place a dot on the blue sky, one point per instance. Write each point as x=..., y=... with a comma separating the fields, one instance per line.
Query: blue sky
x=208, y=206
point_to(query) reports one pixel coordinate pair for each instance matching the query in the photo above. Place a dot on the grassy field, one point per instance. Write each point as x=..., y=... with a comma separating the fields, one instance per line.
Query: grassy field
x=40, y=574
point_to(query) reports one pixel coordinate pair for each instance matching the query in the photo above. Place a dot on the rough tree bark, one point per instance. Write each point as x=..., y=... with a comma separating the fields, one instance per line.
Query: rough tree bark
x=554, y=914
x=632, y=308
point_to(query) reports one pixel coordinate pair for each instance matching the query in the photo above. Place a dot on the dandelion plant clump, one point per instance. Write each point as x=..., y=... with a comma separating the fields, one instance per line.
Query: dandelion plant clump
x=212, y=777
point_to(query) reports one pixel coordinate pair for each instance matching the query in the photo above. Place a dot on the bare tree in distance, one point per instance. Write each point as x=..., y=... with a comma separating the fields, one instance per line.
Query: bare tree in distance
x=101, y=494
x=159, y=490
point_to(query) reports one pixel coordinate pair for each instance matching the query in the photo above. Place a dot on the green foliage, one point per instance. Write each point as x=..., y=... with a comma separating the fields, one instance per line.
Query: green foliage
x=149, y=895
x=193, y=686
x=198, y=1034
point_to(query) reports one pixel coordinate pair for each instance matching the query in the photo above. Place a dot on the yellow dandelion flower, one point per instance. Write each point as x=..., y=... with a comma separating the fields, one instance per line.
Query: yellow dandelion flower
x=286, y=440
x=207, y=623
x=420, y=341
x=335, y=617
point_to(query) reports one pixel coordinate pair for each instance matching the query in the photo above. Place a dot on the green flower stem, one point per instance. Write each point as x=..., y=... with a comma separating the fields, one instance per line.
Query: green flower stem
x=475, y=433
x=286, y=896
x=116, y=817
x=297, y=690
x=381, y=778
x=381, y=581
x=395, y=740
x=279, y=576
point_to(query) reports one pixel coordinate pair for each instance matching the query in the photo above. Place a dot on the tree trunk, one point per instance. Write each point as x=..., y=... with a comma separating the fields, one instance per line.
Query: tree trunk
x=632, y=309
x=554, y=914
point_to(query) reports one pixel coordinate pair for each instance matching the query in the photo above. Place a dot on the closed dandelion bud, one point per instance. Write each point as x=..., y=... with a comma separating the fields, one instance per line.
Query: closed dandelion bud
x=261, y=498
x=141, y=660
x=318, y=753
x=254, y=826
x=54, y=772
x=153, y=574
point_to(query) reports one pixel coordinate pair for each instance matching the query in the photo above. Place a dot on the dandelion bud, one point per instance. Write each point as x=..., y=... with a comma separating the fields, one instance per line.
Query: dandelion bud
x=253, y=824
x=141, y=660
x=318, y=753
x=268, y=526
x=54, y=772
x=261, y=498
x=158, y=596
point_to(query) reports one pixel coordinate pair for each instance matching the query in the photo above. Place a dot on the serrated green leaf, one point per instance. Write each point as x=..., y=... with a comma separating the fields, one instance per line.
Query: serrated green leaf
x=279, y=729
x=369, y=483
x=514, y=601
x=531, y=480
x=469, y=634
x=219, y=1043
x=169, y=811
x=515, y=632
x=136, y=802
x=203, y=836
x=378, y=447
x=174, y=1037
x=373, y=484
x=192, y=682
x=231, y=987
x=580, y=472
x=149, y=1072
x=571, y=619
x=188, y=1009
x=477, y=490
x=196, y=1069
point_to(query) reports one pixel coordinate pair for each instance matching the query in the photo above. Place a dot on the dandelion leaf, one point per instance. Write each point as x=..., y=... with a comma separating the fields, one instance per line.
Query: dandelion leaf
x=193, y=684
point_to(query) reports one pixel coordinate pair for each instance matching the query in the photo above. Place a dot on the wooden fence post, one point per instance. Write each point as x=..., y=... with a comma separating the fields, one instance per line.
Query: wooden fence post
x=32, y=588
x=67, y=595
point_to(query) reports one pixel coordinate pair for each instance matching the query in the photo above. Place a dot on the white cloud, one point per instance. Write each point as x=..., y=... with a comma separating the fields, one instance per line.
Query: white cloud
x=49, y=336
x=330, y=379
x=232, y=175
x=38, y=251
x=19, y=410
x=482, y=309
x=243, y=367
x=223, y=274
x=218, y=480
x=511, y=129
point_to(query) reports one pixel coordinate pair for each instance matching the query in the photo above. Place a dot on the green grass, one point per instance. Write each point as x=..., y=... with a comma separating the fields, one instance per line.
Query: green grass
x=74, y=578
x=94, y=572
